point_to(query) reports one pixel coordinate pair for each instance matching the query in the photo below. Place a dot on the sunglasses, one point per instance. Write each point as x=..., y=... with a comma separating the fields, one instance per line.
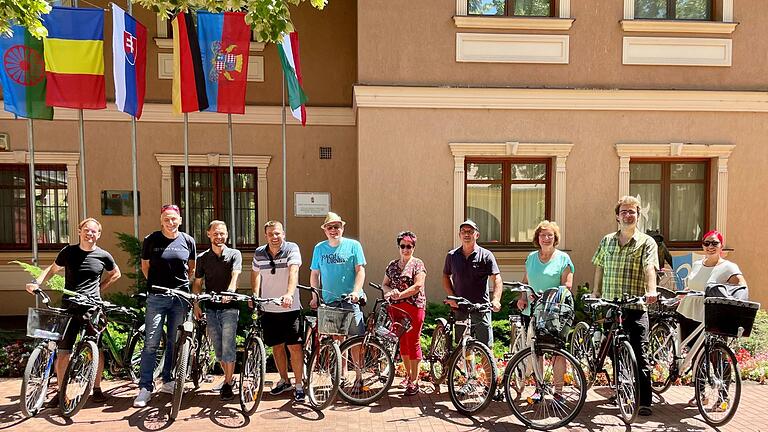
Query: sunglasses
x=272, y=264
x=708, y=243
x=333, y=227
x=406, y=246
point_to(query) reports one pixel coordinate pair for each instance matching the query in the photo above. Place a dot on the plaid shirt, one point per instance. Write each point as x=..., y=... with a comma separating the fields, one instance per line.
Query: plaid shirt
x=624, y=266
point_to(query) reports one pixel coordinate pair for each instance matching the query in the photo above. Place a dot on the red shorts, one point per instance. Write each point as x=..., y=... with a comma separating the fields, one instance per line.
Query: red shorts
x=410, y=342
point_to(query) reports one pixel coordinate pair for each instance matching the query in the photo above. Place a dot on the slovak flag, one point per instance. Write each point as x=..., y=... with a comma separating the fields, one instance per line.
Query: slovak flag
x=129, y=51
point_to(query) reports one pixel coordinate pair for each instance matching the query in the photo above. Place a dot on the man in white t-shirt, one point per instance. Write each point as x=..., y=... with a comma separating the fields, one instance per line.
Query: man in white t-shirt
x=275, y=274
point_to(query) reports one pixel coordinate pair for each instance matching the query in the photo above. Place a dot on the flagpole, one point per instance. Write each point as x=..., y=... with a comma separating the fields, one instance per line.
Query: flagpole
x=233, y=236
x=285, y=189
x=186, y=172
x=81, y=125
x=134, y=166
x=32, y=200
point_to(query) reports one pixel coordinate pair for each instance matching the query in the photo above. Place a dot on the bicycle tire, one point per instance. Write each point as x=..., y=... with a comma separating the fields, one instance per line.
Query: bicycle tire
x=626, y=378
x=462, y=384
x=662, y=352
x=374, y=372
x=709, y=369
x=202, y=362
x=79, y=378
x=324, y=374
x=516, y=389
x=133, y=358
x=252, y=375
x=582, y=348
x=37, y=375
x=180, y=375
x=438, y=353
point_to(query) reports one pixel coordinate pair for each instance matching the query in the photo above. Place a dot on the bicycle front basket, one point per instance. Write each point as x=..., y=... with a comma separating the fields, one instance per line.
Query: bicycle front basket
x=333, y=321
x=46, y=324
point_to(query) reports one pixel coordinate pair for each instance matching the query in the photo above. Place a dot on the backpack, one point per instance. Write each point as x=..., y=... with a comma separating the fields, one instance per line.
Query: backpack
x=553, y=315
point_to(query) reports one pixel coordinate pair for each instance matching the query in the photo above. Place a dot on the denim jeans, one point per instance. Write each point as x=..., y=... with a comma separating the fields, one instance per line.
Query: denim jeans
x=481, y=330
x=222, y=329
x=161, y=310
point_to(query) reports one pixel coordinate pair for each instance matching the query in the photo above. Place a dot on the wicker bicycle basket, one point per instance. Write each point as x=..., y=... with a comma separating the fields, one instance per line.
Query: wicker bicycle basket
x=333, y=321
x=46, y=324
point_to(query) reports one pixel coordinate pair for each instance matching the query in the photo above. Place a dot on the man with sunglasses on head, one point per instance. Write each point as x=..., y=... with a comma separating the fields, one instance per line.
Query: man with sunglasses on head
x=219, y=267
x=275, y=274
x=625, y=263
x=167, y=260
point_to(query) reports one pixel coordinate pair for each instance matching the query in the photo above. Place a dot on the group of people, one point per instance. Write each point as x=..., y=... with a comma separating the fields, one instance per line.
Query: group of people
x=626, y=262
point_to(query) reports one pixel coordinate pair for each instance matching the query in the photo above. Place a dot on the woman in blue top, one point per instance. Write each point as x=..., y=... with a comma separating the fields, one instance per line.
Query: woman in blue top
x=546, y=268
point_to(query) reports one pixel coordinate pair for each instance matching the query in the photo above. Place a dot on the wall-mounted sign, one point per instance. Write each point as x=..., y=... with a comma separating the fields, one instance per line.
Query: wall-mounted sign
x=118, y=203
x=311, y=204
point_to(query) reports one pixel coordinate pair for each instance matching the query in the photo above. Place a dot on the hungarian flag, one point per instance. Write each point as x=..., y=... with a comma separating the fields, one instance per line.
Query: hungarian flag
x=289, y=58
x=188, y=78
x=23, y=75
x=129, y=54
x=224, y=41
x=74, y=58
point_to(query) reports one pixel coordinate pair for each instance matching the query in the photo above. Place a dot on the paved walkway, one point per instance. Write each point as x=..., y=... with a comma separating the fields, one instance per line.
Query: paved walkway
x=203, y=411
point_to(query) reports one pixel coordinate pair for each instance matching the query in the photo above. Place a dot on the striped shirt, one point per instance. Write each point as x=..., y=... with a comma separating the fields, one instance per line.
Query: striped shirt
x=624, y=266
x=274, y=271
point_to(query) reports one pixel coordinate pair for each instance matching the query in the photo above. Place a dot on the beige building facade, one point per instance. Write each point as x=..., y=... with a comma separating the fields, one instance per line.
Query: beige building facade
x=431, y=113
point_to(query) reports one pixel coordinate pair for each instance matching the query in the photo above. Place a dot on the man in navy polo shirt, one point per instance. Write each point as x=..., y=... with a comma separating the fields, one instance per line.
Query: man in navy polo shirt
x=468, y=270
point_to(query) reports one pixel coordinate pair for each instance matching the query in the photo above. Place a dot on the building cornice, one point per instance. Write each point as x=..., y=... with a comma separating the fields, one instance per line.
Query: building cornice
x=676, y=26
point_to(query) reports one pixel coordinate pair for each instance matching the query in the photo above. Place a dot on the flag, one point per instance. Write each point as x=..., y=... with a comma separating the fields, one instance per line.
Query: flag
x=74, y=58
x=129, y=54
x=23, y=75
x=289, y=57
x=188, y=92
x=224, y=42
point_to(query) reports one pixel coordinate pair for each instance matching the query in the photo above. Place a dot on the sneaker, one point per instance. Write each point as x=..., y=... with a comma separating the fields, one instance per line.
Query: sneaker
x=168, y=387
x=558, y=398
x=692, y=402
x=98, y=396
x=357, y=387
x=282, y=386
x=535, y=398
x=645, y=411
x=226, y=392
x=404, y=384
x=412, y=390
x=298, y=395
x=142, y=399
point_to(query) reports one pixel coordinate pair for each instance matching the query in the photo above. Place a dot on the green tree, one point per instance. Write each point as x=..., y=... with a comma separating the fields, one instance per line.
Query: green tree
x=24, y=12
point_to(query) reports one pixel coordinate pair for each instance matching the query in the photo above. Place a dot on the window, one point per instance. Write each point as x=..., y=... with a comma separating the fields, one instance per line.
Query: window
x=527, y=8
x=674, y=196
x=674, y=9
x=51, y=208
x=507, y=198
x=210, y=200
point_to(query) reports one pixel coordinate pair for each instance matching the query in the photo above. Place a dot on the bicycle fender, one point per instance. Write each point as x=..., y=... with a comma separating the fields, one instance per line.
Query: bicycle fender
x=442, y=321
x=188, y=326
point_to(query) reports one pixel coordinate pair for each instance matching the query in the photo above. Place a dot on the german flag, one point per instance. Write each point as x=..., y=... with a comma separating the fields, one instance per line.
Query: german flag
x=188, y=76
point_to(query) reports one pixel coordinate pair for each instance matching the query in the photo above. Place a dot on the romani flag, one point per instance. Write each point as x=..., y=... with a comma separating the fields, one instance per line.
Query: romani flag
x=23, y=75
x=74, y=58
x=188, y=78
x=224, y=42
x=129, y=54
x=289, y=57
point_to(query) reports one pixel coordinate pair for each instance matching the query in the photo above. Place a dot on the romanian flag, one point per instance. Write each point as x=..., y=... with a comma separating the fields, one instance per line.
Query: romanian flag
x=224, y=41
x=289, y=58
x=188, y=78
x=129, y=54
x=23, y=75
x=74, y=58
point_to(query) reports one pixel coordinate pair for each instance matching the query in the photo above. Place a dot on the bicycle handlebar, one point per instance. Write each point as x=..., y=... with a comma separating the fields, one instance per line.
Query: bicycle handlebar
x=186, y=296
x=614, y=304
x=519, y=287
x=463, y=303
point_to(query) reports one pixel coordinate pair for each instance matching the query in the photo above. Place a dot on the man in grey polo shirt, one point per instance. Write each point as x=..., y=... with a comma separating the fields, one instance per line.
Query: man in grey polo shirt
x=219, y=267
x=468, y=270
x=275, y=274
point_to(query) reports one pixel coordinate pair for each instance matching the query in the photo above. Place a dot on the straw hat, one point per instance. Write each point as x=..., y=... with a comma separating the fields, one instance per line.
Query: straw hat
x=332, y=217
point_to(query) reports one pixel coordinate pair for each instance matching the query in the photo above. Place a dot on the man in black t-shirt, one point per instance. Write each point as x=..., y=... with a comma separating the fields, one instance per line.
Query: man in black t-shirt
x=167, y=260
x=219, y=268
x=83, y=264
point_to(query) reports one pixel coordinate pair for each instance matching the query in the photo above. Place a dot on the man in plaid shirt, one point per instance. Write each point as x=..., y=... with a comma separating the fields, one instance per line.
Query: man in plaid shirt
x=626, y=262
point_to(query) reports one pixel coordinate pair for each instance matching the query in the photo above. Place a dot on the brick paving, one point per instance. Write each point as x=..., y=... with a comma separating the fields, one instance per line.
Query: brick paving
x=203, y=411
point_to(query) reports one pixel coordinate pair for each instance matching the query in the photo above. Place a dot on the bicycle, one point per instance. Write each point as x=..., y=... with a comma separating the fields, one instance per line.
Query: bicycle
x=470, y=364
x=322, y=356
x=716, y=376
x=369, y=359
x=541, y=399
x=591, y=347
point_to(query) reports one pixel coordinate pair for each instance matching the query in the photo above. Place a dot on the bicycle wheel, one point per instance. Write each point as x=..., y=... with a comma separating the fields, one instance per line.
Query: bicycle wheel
x=367, y=370
x=662, y=352
x=438, y=353
x=79, y=378
x=203, y=362
x=472, y=378
x=718, y=384
x=626, y=377
x=324, y=374
x=582, y=349
x=37, y=375
x=252, y=375
x=134, y=357
x=535, y=398
x=180, y=371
